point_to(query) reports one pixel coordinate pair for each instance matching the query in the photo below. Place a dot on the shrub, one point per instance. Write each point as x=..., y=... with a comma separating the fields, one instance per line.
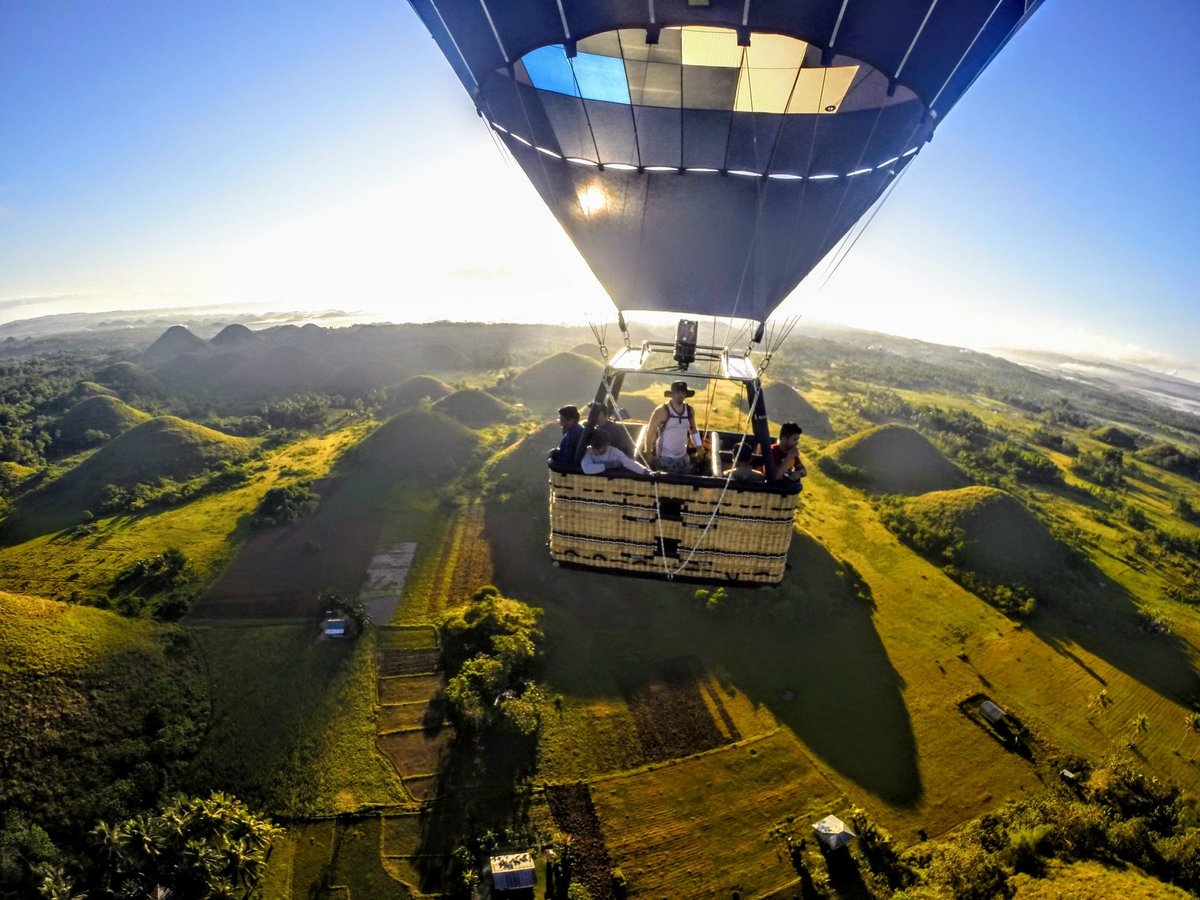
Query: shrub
x=285, y=504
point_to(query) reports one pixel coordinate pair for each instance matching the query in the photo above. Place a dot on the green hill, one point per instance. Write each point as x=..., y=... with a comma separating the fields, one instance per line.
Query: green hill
x=555, y=381
x=1002, y=539
x=1115, y=437
x=175, y=340
x=413, y=390
x=87, y=694
x=129, y=378
x=474, y=408
x=95, y=420
x=418, y=442
x=894, y=459
x=163, y=447
x=785, y=404
x=235, y=335
x=90, y=389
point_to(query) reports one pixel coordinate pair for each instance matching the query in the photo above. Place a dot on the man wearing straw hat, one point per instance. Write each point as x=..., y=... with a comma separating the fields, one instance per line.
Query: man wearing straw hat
x=673, y=429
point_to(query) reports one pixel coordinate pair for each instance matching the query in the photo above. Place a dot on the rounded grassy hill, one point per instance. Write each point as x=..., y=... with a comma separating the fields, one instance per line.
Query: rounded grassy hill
x=163, y=447
x=235, y=335
x=130, y=378
x=564, y=378
x=1001, y=538
x=785, y=404
x=419, y=442
x=474, y=408
x=96, y=419
x=175, y=340
x=87, y=694
x=413, y=390
x=893, y=459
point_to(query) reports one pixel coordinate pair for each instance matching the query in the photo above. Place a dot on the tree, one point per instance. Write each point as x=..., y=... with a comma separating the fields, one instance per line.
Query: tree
x=491, y=649
x=195, y=847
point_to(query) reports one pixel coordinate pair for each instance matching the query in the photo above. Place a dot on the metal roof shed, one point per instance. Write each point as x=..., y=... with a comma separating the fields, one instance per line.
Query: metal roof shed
x=512, y=871
x=833, y=832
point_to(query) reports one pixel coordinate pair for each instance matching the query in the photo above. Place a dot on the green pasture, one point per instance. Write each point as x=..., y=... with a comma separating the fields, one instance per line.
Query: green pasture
x=293, y=721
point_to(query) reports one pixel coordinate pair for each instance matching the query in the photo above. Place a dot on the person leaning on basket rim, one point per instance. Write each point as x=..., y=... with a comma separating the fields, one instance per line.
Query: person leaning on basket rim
x=786, y=454
x=672, y=428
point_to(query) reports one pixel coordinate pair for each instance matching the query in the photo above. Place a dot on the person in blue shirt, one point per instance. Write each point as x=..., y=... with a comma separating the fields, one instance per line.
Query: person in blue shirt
x=572, y=431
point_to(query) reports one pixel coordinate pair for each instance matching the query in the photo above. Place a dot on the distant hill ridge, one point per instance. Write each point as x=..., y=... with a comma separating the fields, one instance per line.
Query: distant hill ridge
x=235, y=335
x=175, y=340
x=896, y=459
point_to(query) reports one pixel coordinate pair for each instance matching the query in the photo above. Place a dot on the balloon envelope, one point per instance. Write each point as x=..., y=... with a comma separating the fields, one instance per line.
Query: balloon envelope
x=704, y=158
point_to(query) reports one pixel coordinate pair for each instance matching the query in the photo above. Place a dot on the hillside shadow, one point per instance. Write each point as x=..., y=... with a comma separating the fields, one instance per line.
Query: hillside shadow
x=807, y=650
x=1103, y=618
x=482, y=789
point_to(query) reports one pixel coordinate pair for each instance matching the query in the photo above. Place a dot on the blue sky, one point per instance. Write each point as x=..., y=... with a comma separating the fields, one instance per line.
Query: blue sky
x=314, y=155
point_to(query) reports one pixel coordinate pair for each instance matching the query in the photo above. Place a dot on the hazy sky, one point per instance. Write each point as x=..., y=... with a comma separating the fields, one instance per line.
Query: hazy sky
x=315, y=155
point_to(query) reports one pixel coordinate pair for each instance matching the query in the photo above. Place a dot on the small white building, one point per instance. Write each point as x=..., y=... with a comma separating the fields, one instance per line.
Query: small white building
x=512, y=871
x=833, y=832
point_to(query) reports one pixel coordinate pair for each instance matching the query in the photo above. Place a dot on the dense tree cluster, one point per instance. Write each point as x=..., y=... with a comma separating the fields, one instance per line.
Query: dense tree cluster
x=1116, y=813
x=491, y=651
x=1171, y=458
x=285, y=504
x=1106, y=468
x=33, y=393
x=193, y=848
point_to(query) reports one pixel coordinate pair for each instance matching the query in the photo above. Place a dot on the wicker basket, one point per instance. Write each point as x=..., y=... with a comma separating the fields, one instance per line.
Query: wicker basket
x=700, y=528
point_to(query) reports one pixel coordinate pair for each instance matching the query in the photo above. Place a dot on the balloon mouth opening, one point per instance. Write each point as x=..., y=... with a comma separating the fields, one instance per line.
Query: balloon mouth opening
x=701, y=67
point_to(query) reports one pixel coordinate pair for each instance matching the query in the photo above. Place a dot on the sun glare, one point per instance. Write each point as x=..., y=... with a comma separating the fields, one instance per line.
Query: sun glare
x=592, y=200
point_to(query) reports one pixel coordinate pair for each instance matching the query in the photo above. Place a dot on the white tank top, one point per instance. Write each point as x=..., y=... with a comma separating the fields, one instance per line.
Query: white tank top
x=673, y=439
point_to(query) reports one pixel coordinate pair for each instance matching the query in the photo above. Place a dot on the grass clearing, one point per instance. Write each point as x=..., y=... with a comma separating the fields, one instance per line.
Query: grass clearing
x=706, y=821
x=294, y=721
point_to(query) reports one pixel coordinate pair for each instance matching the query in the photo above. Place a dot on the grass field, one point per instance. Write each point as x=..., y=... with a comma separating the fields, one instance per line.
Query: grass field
x=701, y=738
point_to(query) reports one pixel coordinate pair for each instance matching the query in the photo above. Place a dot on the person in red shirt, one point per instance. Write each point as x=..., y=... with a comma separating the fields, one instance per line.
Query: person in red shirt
x=786, y=454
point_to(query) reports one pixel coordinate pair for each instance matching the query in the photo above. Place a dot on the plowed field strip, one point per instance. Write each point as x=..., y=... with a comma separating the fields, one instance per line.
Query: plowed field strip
x=473, y=564
x=670, y=715
x=406, y=662
x=574, y=814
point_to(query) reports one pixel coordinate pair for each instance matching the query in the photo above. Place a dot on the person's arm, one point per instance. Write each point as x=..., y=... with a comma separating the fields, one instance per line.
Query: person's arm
x=652, y=429
x=631, y=464
x=590, y=464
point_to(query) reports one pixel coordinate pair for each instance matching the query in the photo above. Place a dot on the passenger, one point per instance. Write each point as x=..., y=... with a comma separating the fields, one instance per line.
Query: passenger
x=618, y=436
x=672, y=427
x=572, y=431
x=789, y=468
x=743, y=469
x=600, y=455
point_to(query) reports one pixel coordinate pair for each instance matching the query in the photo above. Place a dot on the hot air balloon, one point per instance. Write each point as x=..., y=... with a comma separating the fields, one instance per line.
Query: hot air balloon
x=704, y=156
